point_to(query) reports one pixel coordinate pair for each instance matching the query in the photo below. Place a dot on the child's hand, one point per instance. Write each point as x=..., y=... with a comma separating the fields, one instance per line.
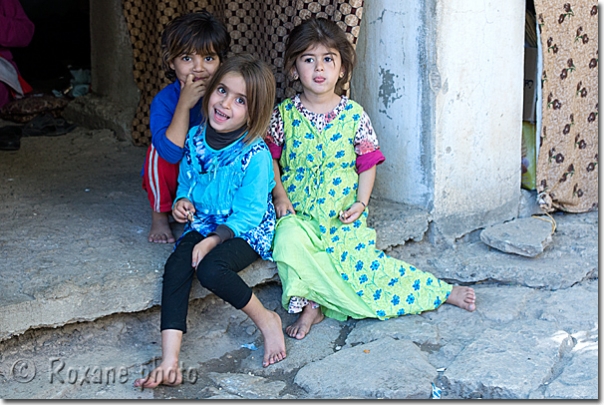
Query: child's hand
x=203, y=248
x=183, y=211
x=191, y=91
x=352, y=213
x=283, y=206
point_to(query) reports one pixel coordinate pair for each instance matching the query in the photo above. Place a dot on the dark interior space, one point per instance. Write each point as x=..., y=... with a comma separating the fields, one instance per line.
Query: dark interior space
x=61, y=42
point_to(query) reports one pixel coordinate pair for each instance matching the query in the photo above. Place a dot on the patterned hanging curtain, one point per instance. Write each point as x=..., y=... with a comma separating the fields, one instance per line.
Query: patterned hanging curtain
x=567, y=165
x=256, y=27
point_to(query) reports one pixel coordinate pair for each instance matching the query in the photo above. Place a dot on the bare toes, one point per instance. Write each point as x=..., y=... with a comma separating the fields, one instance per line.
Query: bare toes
x=295, y=332
x=463, y=297
x=161, y=238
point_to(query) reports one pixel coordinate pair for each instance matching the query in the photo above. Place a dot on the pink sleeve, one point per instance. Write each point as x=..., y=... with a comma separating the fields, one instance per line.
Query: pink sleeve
x=274, y=135
x=16, y=30
x=368, y=160
x=366, y=146
x=275, y=149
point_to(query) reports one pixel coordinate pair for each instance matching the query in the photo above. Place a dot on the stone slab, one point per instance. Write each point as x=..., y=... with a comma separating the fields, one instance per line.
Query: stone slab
x=525, y=236
x=466, y=352
x=75, y=225
x=396, y=369
x=248, y=386
x=572, y=256
x=482, y=369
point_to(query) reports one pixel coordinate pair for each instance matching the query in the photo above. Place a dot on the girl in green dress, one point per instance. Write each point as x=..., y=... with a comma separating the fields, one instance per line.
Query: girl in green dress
x=324, y=157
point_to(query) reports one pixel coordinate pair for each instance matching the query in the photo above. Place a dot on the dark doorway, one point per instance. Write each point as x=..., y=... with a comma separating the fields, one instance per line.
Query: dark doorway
x=61, y=42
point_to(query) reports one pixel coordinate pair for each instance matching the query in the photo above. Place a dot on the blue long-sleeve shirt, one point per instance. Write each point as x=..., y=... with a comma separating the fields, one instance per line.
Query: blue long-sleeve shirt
x=161, y=113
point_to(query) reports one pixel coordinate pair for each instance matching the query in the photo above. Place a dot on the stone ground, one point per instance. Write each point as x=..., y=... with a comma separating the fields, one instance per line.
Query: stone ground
x=79, y=314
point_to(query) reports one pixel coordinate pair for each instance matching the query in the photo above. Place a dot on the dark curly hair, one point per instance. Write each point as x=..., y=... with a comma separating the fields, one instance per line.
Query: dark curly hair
x=199, y=32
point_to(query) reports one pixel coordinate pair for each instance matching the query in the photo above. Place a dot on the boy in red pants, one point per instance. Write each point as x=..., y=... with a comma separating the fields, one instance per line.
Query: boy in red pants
x=193, y=46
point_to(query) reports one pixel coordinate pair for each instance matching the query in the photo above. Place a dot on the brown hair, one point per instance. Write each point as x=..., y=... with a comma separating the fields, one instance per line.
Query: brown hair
x=260, y=90
x=315, y=31
x=198, y=32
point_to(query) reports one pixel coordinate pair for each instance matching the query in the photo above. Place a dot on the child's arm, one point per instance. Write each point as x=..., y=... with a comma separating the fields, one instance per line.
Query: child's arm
x=366, y=181
x=203, y=248
x=283, y=206
x=183, y=209
x=182, y=212
x=190, y=93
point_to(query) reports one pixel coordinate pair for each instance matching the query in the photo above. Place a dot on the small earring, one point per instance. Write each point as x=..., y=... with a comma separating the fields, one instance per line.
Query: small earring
x=295, y=76
x=341, y=75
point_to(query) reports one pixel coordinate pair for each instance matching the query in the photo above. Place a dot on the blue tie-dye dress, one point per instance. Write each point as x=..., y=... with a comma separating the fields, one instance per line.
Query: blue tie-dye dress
x=230, y=186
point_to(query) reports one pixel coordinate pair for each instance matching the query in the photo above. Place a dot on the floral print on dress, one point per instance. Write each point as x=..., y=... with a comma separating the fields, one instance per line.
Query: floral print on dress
x=365, y=140
x=320, y=178
x=566, y=179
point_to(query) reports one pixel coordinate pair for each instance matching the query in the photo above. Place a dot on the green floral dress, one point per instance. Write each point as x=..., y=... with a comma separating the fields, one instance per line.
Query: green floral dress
x=318, y=257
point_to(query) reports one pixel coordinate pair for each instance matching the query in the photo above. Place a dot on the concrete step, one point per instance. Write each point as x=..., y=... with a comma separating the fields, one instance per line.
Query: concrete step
x=73, y=240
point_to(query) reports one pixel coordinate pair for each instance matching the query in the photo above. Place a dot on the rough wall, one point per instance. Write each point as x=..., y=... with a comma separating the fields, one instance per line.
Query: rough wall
x=478, y=106
x=114, y=96
x=388, y=82
x=111, y=56
x=442, y=83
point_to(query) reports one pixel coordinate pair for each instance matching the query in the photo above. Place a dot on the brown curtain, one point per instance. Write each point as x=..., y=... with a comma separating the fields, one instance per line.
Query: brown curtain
x=567, y=165
x=257, y=27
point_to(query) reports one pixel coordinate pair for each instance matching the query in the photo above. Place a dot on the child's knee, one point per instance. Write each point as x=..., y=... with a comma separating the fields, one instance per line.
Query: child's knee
x=209, y=275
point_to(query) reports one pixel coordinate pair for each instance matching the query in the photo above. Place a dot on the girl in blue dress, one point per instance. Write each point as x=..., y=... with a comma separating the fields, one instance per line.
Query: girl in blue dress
x=224, y=197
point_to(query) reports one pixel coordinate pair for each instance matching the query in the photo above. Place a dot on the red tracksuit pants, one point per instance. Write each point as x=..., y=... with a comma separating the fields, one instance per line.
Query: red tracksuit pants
x=160, y=179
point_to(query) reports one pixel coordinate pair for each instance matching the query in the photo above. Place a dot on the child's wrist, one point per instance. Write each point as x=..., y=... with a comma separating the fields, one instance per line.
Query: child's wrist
x=361, y=202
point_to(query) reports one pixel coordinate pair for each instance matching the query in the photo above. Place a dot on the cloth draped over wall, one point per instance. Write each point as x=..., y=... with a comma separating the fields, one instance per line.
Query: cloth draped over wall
x=567, y=165
x=256, y=27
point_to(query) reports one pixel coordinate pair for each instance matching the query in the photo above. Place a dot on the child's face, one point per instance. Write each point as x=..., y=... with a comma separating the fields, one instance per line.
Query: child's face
x=202, y=67
x=319, y=69
x=227, y=107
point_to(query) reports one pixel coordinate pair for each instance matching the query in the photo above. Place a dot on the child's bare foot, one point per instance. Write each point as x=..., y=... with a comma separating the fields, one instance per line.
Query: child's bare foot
x=309, y=317
x=163, y=374
x=274, y=341
x=270, y=326
x=160, y=228
x=463, y=297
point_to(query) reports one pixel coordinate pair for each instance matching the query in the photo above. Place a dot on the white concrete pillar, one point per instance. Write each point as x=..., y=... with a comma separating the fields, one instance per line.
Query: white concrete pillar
x=442, y=82
x=388, y=82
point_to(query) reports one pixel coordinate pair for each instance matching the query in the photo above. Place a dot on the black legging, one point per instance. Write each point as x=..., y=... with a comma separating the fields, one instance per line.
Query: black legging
x=217, y=272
